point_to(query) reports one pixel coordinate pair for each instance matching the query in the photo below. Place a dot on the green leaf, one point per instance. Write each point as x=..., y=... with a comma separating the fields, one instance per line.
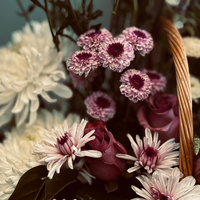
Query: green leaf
x=30, y=184
x=58, y=183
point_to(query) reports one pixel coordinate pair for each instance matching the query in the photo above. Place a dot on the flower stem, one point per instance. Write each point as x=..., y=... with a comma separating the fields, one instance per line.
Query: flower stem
x=135, y=12
x=74, y=16
x=23, y=10
x=89, y=86
x=115, y=8
x=55, y=39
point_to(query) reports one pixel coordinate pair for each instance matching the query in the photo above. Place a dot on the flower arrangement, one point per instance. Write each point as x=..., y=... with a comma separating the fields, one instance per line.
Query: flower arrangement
x=92, y=113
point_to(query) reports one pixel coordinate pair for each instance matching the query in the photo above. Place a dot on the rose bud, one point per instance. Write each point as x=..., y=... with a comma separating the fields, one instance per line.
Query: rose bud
x=196, y=170
x=108, y=167
x=160, y=114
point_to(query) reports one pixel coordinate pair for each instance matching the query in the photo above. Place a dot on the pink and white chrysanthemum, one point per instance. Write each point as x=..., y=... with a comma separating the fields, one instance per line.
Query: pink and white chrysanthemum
x=158, y=81
x=81, y=81
x=140, y=40
x=116, y=54
x=92, y=38
x=150, y=155
x=63, y=145
x=100, y=106
x=160, y=187
x=136, y=85
x=81, y=62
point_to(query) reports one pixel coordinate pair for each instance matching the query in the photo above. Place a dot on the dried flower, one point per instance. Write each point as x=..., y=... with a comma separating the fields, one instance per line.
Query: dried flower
x=136, y=85
x=81, y=62
x=63, y=145
x=92, y=39
x=116, y=54
x=158, y=81
x=150, y=155
x=139, y=39
x=100, y=106
x=192, y=46
x=160, y=187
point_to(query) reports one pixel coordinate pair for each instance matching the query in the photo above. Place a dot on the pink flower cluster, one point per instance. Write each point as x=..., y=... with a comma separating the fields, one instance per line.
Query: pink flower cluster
x=101, y=49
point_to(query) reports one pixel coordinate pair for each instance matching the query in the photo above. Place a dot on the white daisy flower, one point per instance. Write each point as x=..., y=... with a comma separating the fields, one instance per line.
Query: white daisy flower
x=16, y=151
x=150, y=155
x=63, y=145
x=160, y=187
x=30, y=67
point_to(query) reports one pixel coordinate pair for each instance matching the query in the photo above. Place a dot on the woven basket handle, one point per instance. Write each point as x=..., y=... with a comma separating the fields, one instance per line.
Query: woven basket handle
x=184, y=97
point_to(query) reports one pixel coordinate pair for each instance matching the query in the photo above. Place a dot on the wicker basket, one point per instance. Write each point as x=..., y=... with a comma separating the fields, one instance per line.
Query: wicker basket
x=184, y=97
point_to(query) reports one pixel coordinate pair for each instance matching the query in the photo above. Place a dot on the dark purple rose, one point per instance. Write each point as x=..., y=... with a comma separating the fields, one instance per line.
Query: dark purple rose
x=196, y=170
x=108, y=167
x=160, y=114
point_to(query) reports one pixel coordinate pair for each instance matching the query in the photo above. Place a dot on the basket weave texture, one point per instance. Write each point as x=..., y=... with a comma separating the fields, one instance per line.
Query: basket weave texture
x=184, y=97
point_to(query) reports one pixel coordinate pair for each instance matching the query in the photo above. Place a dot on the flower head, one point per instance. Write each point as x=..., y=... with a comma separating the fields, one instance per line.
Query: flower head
x=81, y=62
x=160, y=187
x=195, y=88
x=100, y=106
x=116, y=54
x=64, y=144
x=16, y=150
x=92, y=39
x=136, y=85
x=192, y=46
x=30, y=67
x=158, y=81
x=139, y=39
x=108, y=167
x=150, y=155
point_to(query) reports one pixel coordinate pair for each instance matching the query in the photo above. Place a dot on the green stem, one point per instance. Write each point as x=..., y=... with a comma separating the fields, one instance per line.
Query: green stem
x=55, y=38
x=135, y=12
x=115, y=8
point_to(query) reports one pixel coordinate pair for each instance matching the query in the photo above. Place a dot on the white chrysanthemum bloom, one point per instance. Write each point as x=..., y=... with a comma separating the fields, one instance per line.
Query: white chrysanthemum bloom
x=195, y=88
x=192, y=46
x=150, y=155
x=30, y=67
x=63, y=145
x=16, y=150
x=40, y=37
x=160, y=187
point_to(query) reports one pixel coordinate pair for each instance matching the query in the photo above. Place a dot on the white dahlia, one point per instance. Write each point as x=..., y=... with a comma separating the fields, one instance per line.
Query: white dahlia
x=40, y=37
x=30, y=67
x=16, y=150
x=160, y=187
